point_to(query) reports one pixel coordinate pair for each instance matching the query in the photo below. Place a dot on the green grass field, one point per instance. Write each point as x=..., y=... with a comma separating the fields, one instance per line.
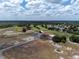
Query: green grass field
x=52, y=31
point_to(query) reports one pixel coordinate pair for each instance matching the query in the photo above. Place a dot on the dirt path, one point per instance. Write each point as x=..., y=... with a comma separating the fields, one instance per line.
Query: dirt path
x=1, y=56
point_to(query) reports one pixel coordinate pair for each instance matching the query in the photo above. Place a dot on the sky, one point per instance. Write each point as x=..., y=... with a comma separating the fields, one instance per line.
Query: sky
x=39, y=10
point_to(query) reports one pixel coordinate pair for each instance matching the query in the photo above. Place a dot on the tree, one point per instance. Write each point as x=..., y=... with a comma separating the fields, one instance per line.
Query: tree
x=42, y=25
x=35, y=25
x=45, y=25
x=74, y=38
x=24, y=29
x=59, y=39
x=28, y=27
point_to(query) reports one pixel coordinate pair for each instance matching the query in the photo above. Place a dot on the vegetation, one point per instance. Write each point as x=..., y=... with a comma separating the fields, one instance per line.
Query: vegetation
x=59, y=39
x=24, y=29
x=5, y=26
x=17, y=28
x=72, y=29
x=74, y=38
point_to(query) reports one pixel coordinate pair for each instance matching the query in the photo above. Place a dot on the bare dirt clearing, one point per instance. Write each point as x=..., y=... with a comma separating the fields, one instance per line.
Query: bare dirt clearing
x=39, y=49
x=36, y=49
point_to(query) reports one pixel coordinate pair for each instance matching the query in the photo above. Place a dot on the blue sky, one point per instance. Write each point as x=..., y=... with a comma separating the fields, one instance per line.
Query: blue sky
x=39, y=10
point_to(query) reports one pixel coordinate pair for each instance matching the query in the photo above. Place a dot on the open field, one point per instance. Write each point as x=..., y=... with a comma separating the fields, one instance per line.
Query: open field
x=51, y=31
x=36, y=48
x=32, y=50
x=39, y=49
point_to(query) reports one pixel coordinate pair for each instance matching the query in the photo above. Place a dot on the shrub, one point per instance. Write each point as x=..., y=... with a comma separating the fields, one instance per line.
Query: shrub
x=24, y=29
x=59, y=39
x=38, y=27
x=74, y=38
x=42, y=25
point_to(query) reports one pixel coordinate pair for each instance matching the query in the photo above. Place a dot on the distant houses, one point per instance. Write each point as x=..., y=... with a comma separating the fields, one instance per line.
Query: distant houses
x=64, y=28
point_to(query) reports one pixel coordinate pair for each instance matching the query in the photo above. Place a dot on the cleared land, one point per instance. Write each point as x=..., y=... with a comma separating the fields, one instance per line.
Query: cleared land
x=37, y=49
x=33, y=50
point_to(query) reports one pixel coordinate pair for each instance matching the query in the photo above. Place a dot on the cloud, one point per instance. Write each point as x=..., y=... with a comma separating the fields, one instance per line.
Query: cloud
x=42, y=8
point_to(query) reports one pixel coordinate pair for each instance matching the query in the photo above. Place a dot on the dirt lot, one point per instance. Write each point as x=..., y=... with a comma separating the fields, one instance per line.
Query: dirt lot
x=39, y=49
x=33, y=50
